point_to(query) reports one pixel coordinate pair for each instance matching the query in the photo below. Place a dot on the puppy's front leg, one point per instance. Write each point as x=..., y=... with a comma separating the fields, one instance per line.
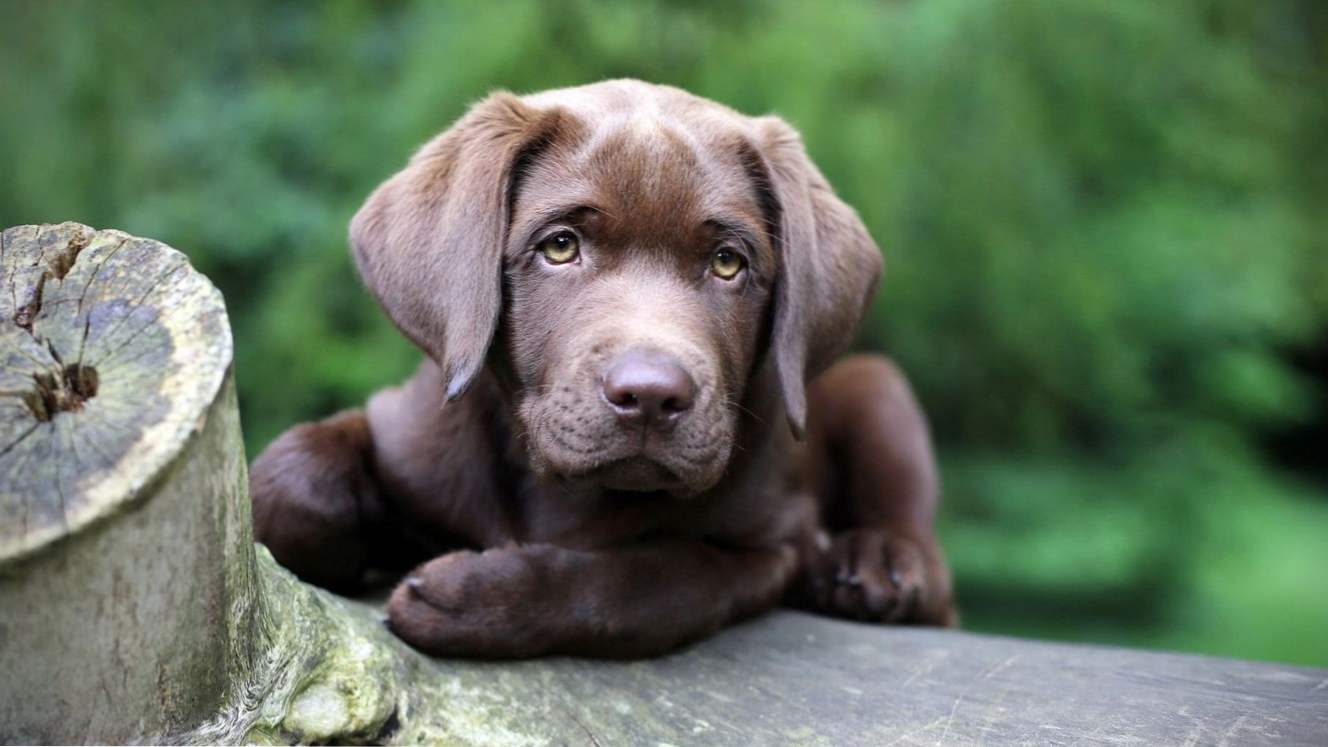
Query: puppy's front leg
x=883, y=561
x=635, y=600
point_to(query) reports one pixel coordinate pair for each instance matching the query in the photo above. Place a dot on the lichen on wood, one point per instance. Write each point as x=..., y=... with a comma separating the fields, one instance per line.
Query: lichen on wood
x=312, y=673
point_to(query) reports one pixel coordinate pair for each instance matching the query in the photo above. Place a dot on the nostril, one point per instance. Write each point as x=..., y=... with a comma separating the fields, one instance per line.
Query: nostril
x=619, y=396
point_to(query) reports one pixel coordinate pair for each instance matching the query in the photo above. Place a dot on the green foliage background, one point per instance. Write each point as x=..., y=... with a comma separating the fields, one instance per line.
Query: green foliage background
x=1104, y=224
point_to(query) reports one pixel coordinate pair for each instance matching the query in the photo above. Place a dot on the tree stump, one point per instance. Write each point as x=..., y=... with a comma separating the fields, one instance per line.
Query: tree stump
x=135, y=608
x=125, y=551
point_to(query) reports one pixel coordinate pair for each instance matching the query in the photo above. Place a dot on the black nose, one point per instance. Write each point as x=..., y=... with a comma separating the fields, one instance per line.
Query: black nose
x=648, y=387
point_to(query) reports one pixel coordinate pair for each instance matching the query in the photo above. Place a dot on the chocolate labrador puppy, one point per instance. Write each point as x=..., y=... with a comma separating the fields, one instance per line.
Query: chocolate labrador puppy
x=624, y=293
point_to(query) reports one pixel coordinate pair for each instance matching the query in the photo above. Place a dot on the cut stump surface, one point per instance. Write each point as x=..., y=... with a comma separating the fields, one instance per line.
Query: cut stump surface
x=111, y=347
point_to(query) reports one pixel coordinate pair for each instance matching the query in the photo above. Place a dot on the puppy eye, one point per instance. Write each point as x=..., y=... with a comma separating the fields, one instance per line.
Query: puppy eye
x=560, y=248
x=726, y=264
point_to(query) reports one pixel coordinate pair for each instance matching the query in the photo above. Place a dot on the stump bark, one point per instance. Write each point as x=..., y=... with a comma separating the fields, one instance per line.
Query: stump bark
x=134, y=606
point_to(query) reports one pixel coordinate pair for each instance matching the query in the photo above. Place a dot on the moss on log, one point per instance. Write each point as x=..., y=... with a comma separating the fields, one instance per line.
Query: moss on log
x=134, y=606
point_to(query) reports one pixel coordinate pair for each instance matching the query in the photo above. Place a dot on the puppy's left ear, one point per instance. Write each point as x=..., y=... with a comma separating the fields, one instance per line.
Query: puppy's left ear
x=828, y=267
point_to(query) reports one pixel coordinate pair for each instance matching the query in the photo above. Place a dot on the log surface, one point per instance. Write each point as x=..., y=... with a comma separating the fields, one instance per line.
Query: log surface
x=791, y=678
x=333, y=674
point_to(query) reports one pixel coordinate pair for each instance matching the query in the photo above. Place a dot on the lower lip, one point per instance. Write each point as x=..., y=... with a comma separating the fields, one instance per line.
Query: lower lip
x=635, y=474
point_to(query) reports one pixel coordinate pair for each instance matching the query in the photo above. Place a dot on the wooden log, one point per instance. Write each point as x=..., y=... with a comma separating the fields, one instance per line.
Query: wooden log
x=790, y=678
x=125, y=551
x=786, y=678
x=134, y=607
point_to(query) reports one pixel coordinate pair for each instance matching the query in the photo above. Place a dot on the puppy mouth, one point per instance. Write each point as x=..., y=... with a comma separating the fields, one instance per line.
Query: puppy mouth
x=582, y=446
x=635, y=474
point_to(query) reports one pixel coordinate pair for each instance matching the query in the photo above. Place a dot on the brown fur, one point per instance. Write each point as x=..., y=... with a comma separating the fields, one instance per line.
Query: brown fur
x=555, y=525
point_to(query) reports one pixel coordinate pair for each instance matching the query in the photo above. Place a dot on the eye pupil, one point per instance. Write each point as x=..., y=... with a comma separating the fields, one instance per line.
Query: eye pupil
x=726, y=264
x=559, y=249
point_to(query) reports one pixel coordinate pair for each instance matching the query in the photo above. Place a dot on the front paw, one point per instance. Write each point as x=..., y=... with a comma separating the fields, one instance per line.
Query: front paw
x=467, y=604
x=875, y=574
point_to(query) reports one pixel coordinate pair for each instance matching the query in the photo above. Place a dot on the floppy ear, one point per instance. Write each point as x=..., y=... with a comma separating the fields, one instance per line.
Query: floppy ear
x=828, y=267
x=429, y=241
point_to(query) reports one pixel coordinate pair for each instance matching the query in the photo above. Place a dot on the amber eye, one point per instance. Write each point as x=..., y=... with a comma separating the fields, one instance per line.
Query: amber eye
x=560, y=248
x=726, y=264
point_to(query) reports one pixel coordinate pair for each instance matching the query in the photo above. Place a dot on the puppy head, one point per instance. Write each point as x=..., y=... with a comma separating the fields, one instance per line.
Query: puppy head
x=634, y=251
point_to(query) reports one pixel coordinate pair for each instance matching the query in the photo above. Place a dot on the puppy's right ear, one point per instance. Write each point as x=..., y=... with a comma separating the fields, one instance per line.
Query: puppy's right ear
x=429, y=241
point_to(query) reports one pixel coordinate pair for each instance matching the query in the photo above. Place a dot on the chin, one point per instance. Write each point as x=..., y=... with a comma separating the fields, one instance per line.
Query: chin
x=630, y=474
x=637, y=475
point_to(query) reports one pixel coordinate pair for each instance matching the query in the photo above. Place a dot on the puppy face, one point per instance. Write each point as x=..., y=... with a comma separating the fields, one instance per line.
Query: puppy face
x=627, y=254
x=639, y=273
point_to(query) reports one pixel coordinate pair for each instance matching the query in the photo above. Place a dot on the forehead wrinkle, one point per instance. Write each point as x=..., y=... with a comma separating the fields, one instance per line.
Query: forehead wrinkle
x=643, y=142
x=650, y=178
x=654, y=165
x=544, y=198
